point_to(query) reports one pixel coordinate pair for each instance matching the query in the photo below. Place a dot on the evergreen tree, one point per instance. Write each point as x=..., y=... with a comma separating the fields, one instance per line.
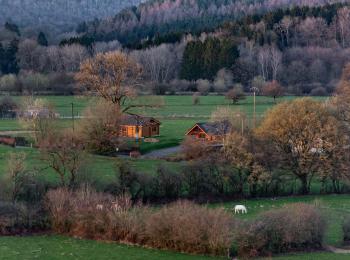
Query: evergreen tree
x=42, y=39
x=10, y=64
x=12, y=27
x=2, y=58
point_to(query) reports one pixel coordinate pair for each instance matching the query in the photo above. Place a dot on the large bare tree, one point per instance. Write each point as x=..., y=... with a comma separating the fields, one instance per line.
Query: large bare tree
x=113, y=76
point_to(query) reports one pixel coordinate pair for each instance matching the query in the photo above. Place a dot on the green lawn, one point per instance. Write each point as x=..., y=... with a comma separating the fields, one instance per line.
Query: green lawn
x=100, y=168
x=59, y=247
x=177, y=115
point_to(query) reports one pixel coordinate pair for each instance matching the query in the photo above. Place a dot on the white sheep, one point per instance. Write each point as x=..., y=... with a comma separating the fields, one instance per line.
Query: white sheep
x=99, y=207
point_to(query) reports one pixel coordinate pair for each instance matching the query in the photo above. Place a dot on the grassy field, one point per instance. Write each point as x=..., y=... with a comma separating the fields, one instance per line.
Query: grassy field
x=177, y=113
x=172, y=106
x=334, y=207
x=100, y=168
x=59, y=247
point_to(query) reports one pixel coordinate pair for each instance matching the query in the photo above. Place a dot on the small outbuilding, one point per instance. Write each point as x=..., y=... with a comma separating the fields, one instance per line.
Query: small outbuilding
x=135, y=126
x=212, y=131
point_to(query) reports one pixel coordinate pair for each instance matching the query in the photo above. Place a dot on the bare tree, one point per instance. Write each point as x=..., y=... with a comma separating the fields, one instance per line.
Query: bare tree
x=263, y=59
x=160, y=64
x=72, y=56
x=113, y=76
x=63, y=152
x=235, y=94
x=273, y=89
x=275, y=61
x=343, y=25
x=16, y=174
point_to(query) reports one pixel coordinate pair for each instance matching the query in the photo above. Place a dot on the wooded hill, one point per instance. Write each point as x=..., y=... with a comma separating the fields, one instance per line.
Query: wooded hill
x=160, y=17
x=58, y=15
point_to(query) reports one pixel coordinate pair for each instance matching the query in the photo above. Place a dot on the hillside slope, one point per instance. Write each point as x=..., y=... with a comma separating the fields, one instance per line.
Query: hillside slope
x=59, y=15
x=170, y=16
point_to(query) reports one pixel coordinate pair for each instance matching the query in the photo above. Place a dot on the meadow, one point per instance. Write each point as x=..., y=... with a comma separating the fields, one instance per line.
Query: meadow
x=334, y=207
x=176, y=113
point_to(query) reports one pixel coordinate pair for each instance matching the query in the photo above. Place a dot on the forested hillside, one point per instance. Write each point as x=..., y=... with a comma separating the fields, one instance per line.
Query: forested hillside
x=174, y=16
x=303, y=48
x=58, y=15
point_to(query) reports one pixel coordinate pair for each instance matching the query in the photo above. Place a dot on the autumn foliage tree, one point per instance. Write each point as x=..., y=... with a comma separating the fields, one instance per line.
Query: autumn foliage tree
x=340, y=102
x=238, y=154
x=273, y=89
x=99, y=129
x=113, y=76
x=236, y=94
x=306, y=136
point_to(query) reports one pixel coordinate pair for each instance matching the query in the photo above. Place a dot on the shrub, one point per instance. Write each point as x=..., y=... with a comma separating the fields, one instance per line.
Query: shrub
x=184, y=226
x=196, y=98
x=295, y=227
x=18, y=218
x=346, y=229
x=194, y=148
x=167, y=183
x=88, y=214
x=8, y=108
x=319, y=91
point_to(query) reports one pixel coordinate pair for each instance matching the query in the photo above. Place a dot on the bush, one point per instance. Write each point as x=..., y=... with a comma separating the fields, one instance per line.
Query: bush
x=8, y=108
x=196, y=98
x=194, y=148
x=319, y=91
x=167, y=183
x=88, y=214
x=182, y=226
x=295, y=227
x=346, y=229
x=18, y=218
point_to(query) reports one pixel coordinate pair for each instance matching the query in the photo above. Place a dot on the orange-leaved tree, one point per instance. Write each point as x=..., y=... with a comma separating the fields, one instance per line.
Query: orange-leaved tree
x=306, y=137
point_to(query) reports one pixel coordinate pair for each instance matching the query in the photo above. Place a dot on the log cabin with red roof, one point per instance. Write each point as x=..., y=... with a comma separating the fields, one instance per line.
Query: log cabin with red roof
x=213, y=131
x=135, y=126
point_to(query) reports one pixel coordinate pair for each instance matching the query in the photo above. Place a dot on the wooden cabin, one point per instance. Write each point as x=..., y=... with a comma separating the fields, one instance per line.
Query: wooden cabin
x=213, y=131
x=135, y=126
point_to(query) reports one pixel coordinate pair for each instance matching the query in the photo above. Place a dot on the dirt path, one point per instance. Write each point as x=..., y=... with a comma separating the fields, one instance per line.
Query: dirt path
x=161, y=153
x=337, y=250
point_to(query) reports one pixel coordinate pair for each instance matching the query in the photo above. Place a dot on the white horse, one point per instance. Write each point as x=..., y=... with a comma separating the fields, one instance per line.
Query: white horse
x=240, y=209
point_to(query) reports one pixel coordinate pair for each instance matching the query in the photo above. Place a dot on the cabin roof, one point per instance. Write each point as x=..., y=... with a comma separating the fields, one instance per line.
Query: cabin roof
x=137, y=120
x=214, y=128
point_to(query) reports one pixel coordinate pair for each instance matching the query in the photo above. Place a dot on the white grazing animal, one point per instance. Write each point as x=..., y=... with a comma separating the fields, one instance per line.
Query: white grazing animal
x=99, y=207
x=240, y=209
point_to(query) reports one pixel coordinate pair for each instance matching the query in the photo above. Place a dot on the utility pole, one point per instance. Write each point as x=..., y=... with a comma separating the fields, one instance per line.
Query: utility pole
x=254, y=90
x=73, y=123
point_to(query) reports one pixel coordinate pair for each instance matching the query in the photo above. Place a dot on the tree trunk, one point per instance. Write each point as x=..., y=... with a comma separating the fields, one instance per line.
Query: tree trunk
x=304, y=185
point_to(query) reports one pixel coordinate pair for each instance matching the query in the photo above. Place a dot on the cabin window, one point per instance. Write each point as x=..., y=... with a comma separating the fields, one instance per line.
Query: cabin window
x=154, y=129
x=201, y=135
x=124, y=131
